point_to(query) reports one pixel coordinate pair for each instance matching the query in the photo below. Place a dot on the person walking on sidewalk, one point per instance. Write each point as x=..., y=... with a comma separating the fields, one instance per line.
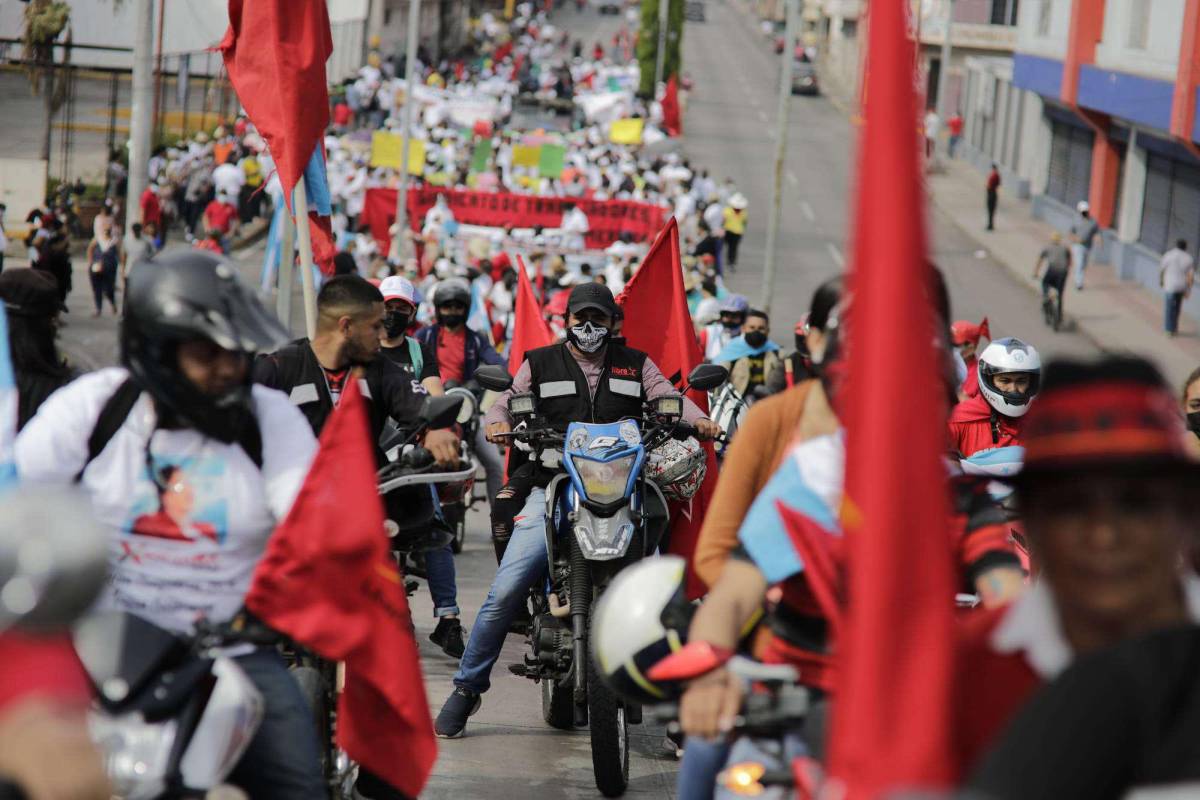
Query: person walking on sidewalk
x=933, y=126
x=993, y=196
x=1176, y=273
x=1083, y=233
x=103, y=259
x=735, y=227
x=955, y=126
x=1056, y=259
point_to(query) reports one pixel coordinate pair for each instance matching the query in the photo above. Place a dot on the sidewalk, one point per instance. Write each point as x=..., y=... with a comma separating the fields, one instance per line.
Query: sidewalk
x=1118, y=316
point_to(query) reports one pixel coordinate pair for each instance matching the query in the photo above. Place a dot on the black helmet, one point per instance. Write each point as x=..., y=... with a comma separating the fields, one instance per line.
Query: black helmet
x=452, y=290
x=183, y=296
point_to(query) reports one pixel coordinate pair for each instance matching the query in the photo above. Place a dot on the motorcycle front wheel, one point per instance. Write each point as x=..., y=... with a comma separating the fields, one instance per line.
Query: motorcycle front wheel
x=610, y=737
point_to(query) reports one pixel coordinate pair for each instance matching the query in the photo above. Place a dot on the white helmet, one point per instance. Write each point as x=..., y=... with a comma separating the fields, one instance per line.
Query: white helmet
x=1006, y=356
x=641, y=618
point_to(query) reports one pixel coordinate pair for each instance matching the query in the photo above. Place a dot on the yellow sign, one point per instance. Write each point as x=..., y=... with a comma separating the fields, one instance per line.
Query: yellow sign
x=524, y=155
x=626, y=131
x=388, y=148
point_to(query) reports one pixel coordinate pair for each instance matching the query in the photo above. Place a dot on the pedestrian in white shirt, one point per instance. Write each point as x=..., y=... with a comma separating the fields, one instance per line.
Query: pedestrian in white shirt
x=574, y=226
x=1176, y=273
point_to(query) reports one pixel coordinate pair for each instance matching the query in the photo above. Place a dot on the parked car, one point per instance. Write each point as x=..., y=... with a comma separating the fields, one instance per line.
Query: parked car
x=804, y=77
x=607, y=6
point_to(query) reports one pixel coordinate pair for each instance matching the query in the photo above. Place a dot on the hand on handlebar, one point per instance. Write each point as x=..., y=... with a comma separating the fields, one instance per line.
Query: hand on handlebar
x=496, y=431
x=710, y=704
x=443, y=445
x=707, y=429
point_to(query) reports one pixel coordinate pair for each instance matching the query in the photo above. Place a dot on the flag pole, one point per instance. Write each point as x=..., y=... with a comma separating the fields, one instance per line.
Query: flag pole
x=781, y=130
x=410, y=102
x=287, y=262
x=304, y=236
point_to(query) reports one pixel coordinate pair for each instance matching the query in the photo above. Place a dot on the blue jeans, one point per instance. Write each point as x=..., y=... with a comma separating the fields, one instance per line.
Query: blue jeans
x=524, y=565
x=702, y=761
x=1174, y=302
x=1079, y=255
x=283, y=760
x=439, y=568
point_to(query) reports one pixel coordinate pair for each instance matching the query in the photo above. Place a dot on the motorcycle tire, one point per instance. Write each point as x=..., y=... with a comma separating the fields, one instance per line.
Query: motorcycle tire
x=312, y=686
x=610, y=737
x=558, y=705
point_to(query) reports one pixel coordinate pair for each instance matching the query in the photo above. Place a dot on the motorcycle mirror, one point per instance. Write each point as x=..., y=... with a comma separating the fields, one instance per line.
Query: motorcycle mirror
x=53, y=557
x=707, y=377
x=493, y=377
x=440, y=412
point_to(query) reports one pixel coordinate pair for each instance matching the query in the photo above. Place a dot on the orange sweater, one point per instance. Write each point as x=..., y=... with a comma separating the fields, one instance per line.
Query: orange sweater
x=753, y=456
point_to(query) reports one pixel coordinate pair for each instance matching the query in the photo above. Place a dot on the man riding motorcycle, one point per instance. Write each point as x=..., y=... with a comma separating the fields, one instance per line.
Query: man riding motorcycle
x=460, y=351
x=350, y=319
x=590, y=377
x=406, y=352
x=182, y=419
x=714, y=337
x=1009, y=376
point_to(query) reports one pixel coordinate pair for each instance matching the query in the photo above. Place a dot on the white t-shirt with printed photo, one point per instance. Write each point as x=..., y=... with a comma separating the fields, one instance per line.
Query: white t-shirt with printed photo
x=186, y=538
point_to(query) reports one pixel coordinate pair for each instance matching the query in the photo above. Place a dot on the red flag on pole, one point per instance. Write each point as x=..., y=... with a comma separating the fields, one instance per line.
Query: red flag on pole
x=327, y=582
x=657, y=321
x=672, y=120
x=530, y=330
x=892, y=721
x=275, y=53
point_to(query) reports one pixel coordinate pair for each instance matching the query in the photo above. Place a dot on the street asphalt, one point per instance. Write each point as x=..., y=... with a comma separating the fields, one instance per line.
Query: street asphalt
x=508, y=752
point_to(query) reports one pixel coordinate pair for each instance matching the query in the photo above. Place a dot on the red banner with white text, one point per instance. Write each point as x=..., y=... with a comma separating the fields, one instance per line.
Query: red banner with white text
x=607, y=219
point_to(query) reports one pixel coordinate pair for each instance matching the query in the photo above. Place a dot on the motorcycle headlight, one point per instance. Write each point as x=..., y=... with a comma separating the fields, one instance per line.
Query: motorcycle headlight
x=136, y=752
x=604, y=481
x=603, y=538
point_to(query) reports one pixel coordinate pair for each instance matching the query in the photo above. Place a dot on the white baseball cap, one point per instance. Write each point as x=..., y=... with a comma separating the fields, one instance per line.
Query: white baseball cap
x=395, y=287
x=1083, y=207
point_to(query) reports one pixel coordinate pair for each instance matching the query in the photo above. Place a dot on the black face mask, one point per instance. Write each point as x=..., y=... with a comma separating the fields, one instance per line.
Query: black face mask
x=451, y=320
x=395, y=323
x=731, y=324
x=1193, y=422
x=588, y=337
x=756, y=339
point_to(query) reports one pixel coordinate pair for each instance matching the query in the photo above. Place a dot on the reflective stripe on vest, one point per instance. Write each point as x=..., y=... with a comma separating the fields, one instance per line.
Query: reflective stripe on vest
x=625, y=387
x=557, y=389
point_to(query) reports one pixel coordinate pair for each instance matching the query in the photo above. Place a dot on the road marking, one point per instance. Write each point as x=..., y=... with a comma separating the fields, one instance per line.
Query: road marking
x=807, y=211
x=836, y=255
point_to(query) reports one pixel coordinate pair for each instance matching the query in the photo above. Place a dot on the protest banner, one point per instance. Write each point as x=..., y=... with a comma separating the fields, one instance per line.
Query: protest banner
x=524, y=155
x=607, y=219
x=552, y=160
x=387, y=149
x=626, y=131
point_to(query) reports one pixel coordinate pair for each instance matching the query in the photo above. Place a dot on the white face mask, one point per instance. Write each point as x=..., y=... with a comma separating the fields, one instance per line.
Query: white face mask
x=588, y=337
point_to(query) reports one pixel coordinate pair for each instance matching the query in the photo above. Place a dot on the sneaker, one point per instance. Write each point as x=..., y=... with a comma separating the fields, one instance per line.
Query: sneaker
x=451, y=721
x=448, y=635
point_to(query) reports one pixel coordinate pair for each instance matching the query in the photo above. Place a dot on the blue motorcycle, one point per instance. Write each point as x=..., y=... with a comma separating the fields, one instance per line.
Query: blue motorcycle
x=603, y=512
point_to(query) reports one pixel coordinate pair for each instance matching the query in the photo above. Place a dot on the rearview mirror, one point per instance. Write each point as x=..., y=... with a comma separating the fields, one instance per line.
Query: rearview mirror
x=494, y=377
x=707, y=377
x=440, y=412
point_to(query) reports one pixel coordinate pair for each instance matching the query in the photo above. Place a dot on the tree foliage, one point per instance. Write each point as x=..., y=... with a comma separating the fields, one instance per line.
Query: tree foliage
x=647, y=43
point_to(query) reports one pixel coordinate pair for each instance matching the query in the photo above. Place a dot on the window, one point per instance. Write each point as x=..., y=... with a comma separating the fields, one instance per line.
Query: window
x=1070, y=176
x=1045, y=9
x=1004, y=12
x=1139, y=24
x=1171, y=209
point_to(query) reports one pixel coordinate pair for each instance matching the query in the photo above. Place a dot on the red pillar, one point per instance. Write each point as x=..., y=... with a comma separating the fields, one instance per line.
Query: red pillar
x=1085, y=32
x=1106, y=173
x=1183, y=104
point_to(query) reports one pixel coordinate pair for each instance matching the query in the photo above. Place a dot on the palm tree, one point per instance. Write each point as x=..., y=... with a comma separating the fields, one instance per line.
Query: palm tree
x=45, y=20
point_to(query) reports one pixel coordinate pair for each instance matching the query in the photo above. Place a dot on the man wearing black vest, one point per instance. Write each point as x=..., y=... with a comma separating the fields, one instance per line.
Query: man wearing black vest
x=590, y=377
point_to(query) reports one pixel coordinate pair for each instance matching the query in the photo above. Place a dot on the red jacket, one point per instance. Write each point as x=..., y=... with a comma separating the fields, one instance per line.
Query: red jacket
x=40, y=665
x=971, y=427
x=970, y=384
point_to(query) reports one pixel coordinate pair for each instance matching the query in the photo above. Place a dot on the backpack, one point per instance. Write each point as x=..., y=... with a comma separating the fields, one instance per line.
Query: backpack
x=116, y=410
x=414, y=354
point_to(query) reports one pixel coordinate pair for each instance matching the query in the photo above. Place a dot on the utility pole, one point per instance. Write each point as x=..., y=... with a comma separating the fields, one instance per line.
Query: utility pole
x=142, y=111
x=943, y=92
x=781, y=130
x=410, y=85
x=660, y=63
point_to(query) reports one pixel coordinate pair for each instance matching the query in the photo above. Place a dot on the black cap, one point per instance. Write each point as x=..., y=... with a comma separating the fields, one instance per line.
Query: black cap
x=30, y=293
x=592, y=295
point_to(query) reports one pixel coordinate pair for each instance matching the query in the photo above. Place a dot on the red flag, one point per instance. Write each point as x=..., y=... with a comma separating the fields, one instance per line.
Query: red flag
x=341, y=596
x=657, y=321
x=278, y=73
x=892, y=721
x=530, y=330
x=672, y=120
x=323, y=248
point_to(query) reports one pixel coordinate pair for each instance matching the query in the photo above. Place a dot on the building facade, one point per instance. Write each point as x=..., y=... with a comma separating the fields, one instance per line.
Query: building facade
x=1099, y=104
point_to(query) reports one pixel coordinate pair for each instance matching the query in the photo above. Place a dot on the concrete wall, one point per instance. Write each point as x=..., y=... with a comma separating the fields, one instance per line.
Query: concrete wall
x=1054, y=43
x=1159, y=57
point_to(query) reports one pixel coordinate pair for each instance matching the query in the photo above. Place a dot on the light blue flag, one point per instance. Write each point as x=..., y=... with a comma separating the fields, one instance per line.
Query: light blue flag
x=8, y=409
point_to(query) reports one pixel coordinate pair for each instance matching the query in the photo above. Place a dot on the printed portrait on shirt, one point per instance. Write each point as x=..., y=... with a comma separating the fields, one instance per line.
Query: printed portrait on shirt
x=181, y=502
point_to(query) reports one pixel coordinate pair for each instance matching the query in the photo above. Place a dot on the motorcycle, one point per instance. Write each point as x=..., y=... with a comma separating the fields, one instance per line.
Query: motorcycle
x=602, y=513
x=727, y=407
x=413, y=523
x=173, y=714
x=458, y=497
